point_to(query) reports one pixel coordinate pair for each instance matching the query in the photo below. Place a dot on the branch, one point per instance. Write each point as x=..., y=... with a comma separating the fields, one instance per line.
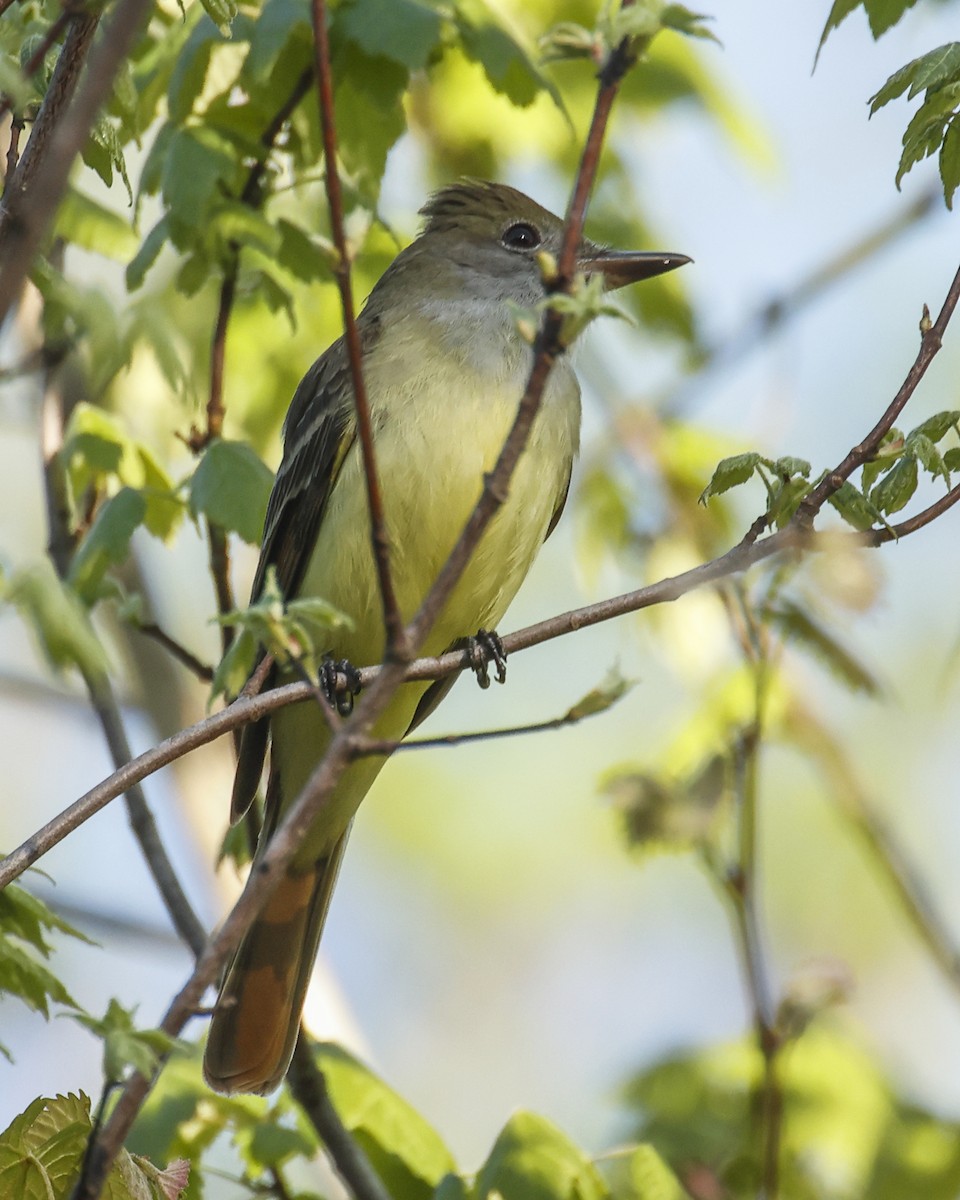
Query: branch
x=310, y=1088
x=251, y=708
x=219, y=553
x=33, y=63
x=319, y=788
x=392, y=618
x=59, y=93
x=32, y=204
x=101, y=694
x=930, y=343
x=183, y=656
x=813, y=739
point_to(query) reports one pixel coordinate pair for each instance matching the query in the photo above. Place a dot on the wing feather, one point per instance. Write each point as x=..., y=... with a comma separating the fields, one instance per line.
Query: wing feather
x=318, y=432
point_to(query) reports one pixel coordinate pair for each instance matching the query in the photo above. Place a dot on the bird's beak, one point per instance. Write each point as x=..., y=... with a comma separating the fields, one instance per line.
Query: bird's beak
x=620, y=267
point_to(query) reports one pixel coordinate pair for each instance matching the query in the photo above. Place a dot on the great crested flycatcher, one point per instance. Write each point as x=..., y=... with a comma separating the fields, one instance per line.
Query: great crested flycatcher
x=445, y=368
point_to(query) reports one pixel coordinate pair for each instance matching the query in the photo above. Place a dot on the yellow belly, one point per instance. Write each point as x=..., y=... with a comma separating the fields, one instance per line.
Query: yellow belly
x=434, y=443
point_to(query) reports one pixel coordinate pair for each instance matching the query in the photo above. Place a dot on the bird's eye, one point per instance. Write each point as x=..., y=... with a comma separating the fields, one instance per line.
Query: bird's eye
x=521, y=236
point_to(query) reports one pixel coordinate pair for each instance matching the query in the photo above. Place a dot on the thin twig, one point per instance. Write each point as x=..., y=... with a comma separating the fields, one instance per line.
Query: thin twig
x=878, y=537
x=310, y=1088
x=59, y=93
x=185, y=657
x=10, y=169
x=32, y=203
x=101, y=694
x=807, y=731
x=397, y=647
x=930, y=343
x=34, y=62
x=363, y=747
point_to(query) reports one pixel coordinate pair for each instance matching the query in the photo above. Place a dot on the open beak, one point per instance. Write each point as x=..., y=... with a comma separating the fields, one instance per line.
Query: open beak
x=620, y=267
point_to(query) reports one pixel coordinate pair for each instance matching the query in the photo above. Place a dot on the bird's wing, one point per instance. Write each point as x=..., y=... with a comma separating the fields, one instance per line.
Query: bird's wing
x=319, y=431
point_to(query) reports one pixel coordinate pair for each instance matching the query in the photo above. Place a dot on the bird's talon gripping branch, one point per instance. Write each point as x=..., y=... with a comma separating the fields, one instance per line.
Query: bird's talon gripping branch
x=487, y=648
x=340, y=699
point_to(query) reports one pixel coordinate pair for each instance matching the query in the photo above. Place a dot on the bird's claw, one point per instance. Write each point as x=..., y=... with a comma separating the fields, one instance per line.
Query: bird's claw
x=485, y=648
x=339, y=697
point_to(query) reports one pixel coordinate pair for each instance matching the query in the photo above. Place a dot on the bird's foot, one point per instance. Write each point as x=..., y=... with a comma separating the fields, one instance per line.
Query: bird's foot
x=339, y=697
x=484, y=649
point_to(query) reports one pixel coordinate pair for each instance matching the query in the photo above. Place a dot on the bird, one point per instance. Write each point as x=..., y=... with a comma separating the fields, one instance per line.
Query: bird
x=445, y=366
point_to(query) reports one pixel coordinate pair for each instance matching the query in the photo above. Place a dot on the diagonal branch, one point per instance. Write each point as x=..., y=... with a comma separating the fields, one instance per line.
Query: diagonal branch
x=102, y=698
x=392, y=618
x=251, y=708
x=319, y=788
x=930, y=344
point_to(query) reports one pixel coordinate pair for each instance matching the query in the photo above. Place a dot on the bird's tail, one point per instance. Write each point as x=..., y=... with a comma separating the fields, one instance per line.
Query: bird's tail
x=257, y=1015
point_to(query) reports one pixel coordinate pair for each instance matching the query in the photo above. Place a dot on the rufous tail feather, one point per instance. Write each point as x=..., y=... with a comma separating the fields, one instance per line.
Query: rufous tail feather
x=257, y=1015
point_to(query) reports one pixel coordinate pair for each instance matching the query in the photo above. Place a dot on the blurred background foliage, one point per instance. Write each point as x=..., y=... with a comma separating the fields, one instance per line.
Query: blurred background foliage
x=697, y=926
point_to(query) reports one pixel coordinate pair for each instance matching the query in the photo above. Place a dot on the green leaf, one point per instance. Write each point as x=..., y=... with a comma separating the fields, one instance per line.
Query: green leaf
x=884, y=14
x=929, y=71
x=532, y=1160
x=268, y=1144
x=25, y=918
x=370, y=115
x=125, y=1046
x=838, y=12
x=854, y=507
x=280, y=22
x=230, y=487
x=936, y=427
x=682, y=20
x=190, y=72
x=148, y=254
x=925, y=132
x=107, y=544
x=896, y=488
x=599, y=699
x=90, y=225
x=165, y=508
x=950, y=161
x=505, y=62
x=790, y=466
x=199, y=165
x=58, y=619
x=235, y=667
x=928, y=456
x=786, y=499
x=42, y=1151
x=222, y=13
x=729, y=473
x=406, y=1152
x=104, y=153
x=22, y=975
x=651, y=1178
x=405, y=31
x=304, y=256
